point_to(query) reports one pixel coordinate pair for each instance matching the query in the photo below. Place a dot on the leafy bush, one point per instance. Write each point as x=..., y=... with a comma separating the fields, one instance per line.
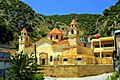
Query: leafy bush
x=23, y=67
x=116, y=74
x=1, y=78
x=38, y=77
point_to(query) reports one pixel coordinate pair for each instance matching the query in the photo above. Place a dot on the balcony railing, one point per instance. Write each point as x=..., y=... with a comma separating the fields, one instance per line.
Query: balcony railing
x=105, y=60
x=108, y=48
x=104, y=48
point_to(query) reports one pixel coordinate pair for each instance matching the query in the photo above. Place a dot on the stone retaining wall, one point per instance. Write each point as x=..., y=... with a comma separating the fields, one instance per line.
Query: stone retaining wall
x=75, y=70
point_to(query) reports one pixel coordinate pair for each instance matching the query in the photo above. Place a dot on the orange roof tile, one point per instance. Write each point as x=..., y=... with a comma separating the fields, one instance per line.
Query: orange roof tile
x=56, y=31
x=62, y=42
x=23, y=30
x=74, y=22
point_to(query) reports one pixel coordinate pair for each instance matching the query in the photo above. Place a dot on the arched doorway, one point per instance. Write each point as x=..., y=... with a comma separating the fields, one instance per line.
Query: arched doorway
x=43, y=58
x=43, y=61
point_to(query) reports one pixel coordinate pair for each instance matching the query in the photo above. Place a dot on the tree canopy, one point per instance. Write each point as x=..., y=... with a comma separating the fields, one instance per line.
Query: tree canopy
x=22, y=67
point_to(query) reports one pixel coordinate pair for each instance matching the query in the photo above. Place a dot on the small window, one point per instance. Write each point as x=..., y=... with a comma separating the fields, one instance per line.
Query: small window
x=108, y=55
x=65, y=59
x=25, y=34
x=50, y=58
x=56, y=36
x=77, y=31
x=21, y=38
x=58, y=57
x=72, y=32
x=78, y=59
x=102, y=55
x=51, y=37
x=72, y=25
x=96, y=46
x=96, y=55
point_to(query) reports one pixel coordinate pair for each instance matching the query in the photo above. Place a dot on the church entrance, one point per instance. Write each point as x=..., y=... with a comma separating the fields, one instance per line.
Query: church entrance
x=43, y=61
x=43, y=58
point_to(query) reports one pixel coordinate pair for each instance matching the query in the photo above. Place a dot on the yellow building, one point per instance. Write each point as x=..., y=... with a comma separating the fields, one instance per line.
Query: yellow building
x=55, y=50
x=103, y=49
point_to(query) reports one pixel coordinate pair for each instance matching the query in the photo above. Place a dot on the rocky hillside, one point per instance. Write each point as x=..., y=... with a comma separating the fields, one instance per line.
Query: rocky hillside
x=86, y=22
x=90, y=24
x=110, y=21
x=14, y=15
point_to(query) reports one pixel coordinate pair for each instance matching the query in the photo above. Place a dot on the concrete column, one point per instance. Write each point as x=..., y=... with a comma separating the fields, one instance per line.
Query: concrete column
x=91, y=44
x=38, y=59
x=100, y=54
x=100, y=44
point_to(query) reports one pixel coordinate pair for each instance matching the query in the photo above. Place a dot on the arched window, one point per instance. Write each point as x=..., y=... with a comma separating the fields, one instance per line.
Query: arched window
x=51, y=37
x=72, y=32
x=65, y=59
x=77, y=31
x=78, y=59
x=51, y=59
x=72, y=25
x=56, y=36
x=21, y=38
x=25, y=34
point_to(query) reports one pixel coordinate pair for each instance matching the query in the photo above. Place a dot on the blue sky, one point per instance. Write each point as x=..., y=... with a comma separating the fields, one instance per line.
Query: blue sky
x=51, y=7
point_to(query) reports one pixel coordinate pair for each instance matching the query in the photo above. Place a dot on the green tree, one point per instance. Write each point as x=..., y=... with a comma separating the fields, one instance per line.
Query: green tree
x=110, y=21
x=38, y=77
x=22, y=67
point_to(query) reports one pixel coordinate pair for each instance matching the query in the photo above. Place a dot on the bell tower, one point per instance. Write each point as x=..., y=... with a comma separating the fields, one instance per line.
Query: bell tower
x=56, y=35
x=24, y=40
x=74, y=34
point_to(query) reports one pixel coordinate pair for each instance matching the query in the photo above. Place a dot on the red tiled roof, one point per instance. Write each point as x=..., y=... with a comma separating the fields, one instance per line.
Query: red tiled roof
x=97, y=36
x=73, y=22
x=62, y=42
x=23, y=30
x=55, y=31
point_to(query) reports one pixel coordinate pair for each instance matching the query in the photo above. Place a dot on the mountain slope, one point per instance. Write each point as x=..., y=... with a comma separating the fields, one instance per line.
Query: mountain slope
x=110, y=21
x=86, y=22
x=14, y=15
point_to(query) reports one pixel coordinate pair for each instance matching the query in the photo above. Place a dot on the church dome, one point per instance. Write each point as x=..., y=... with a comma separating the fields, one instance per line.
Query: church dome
x=56, y=31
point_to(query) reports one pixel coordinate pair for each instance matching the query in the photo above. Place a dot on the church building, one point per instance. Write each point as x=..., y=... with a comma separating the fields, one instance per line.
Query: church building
x=55, y=50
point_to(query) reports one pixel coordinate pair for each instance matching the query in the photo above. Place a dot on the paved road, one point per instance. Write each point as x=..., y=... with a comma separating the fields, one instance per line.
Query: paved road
x=99, y=77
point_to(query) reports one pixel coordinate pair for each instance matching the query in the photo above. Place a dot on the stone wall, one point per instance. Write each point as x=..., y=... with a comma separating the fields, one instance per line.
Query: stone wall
x=75, y=70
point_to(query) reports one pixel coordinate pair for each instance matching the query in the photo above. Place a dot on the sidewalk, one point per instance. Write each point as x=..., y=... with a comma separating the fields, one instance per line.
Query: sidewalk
x=99, y=77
